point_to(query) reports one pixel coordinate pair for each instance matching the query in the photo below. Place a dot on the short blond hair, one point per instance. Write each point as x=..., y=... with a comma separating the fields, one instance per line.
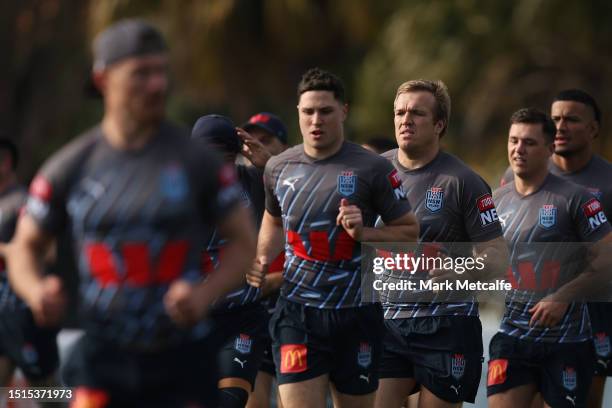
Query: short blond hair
x=440, y=92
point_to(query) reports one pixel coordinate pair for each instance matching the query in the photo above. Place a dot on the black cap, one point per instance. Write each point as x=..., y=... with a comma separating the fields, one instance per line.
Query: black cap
x=124, y=39
x=219, y=131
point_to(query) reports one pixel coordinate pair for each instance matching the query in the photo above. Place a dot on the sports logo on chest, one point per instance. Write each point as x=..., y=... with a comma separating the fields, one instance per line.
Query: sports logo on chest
x=347, y=183
x=434, y=199
x=173, y=183
x=547, y=216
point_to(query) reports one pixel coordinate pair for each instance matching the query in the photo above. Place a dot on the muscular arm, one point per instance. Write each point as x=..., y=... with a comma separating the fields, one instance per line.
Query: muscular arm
x=270, y=243
x=402, y=229
x=495, y=254
x=25, y=256
x=237, y=256
x=187, y=303
x=549, y=311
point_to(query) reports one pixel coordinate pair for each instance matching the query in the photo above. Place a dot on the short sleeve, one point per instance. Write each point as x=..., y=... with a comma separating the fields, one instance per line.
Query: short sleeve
x=589, y=217
x=388, y=195
x=269, y=179
x=479, y=213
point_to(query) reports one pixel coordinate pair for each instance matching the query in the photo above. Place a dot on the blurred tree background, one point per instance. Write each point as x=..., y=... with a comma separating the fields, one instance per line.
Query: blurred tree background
x=238, y=57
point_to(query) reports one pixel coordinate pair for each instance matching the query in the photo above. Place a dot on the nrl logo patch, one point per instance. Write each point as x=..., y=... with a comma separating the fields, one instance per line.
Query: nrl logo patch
x=434, y=199
x=457, y=366
x=602, y=344
x=569, y=379
x=548, y=216
x=243, y=344
x=364, y=356
x=347, y=182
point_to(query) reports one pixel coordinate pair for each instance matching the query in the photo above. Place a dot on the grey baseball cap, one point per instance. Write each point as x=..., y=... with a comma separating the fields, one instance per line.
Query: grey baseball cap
x=124, y=39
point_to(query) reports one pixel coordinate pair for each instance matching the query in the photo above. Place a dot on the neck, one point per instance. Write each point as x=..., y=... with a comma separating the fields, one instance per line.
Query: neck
x=416, y=160
x=526, y=185
x=320, y=154
x=573, y=162
x=124, y=133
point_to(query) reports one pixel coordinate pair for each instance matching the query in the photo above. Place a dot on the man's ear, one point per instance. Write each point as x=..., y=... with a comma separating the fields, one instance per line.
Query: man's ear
x=438, y=127
x=345, y=110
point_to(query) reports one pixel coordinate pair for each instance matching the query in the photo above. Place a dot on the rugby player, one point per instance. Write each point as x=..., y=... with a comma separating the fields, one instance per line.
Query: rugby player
x=436, y=345
x=22, y=344
x=577, y=119
x=270, y=131
x=240, y=313
x=139, y=197
x=322, y=198
x=543, y=343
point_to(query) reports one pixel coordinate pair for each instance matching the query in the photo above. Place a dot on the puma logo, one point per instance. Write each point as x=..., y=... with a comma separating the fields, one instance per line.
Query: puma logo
x=455, y=388
x=242, y=363
x=603, y=363
x=291, y=182
x=572, y=400
x=365, y=378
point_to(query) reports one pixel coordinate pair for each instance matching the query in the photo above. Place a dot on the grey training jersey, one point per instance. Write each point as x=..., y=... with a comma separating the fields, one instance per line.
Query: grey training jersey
x=139, y=220
x=559, y=212
x=11, y=202
x=452, y=204
x=323, y=263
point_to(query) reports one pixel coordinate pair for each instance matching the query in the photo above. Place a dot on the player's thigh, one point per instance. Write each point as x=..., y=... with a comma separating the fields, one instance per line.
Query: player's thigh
x=308, y=393
x=6, y=371
x=342, y=400
x=596, y=392
x=520, y=396
x=392, y=392
x=260, y=397
x=430, y=400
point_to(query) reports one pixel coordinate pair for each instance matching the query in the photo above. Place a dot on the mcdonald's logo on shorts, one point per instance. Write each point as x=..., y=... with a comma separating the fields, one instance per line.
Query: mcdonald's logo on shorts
x=497, y=371
x=293, y=358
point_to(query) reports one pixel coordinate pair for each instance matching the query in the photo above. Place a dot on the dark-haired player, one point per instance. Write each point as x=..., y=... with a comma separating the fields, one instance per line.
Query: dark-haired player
x=544, y=340
x=577, y=118
x=322, y=197
x=139, y=197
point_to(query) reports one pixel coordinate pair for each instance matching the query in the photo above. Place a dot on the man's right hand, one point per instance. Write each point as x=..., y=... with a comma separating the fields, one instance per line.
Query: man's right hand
x=48, y=301
x=257, y=274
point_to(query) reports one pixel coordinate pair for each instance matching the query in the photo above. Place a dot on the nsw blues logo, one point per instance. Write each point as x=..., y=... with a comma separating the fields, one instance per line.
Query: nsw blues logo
x=434, y=199
x=548, y=216
x=364, y=356
x=173, y=183
x=243, y=344
x=602, y=344
x=569, y=378
x=347, y=183
x=457, y=366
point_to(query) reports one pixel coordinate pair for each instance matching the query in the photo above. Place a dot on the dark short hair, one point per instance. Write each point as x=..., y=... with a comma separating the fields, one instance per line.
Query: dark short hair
x=10, y=147
x=316, y=79
x=578, y=95
x=535, y=116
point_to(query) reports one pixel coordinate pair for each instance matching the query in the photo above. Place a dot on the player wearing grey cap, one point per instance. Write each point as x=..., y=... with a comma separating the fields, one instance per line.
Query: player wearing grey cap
x=140, y=197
